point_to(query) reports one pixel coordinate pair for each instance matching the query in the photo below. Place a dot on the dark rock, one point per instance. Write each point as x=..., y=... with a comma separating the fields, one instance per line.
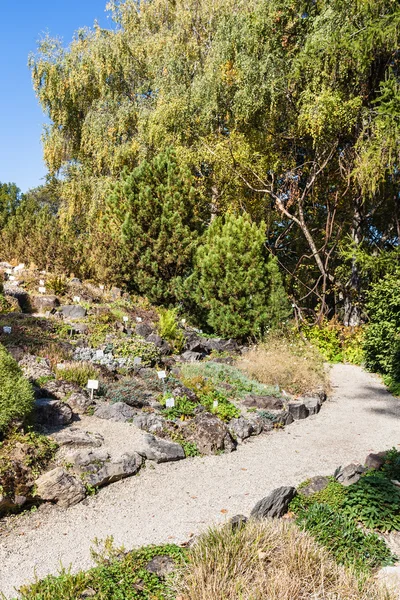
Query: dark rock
x=52, y=413
x=298, y=410
x=350, y=474
x=190, y=356
x=119, y=411
x=241, y=428
x=375, y=461
x=283, y=418
x=43, y=304
x=263, y=402
x=257, y=424
x=161, y=566
x=143, y=329
x=161, y=450
x=182, y=390
x=61, y=487
x=313, y=405
x=80, y=328
x=209, y=434
x=161, y=344
x=274, y=505
x=221, y=345
x=238, y=522
x=73, y=311
x=75, y=281
x=315, y=484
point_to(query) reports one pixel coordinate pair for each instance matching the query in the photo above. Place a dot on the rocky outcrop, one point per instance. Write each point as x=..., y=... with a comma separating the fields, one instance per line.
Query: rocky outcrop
x=98, y=468
x=119, y=411
x=35, y=367
x=209, y=434
x=73, y=436
x=52, y=413
x=60, y=486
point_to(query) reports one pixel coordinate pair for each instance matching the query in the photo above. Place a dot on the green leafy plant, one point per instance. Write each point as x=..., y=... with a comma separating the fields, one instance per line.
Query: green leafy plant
x=183, y=407
x=332, y=495
x=16, y=394
x=77, y=372
x=347, y=543
x=168, y=328
x=375, y=502
x=137, y=347
x=224, y=410
x=57, y=284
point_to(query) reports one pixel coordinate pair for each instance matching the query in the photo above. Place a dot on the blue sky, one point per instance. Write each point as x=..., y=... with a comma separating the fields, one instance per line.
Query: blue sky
x=21, y=118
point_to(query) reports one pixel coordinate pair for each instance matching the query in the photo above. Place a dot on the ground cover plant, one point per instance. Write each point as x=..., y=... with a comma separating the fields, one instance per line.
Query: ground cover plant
x=16, y=394
x=288, y=362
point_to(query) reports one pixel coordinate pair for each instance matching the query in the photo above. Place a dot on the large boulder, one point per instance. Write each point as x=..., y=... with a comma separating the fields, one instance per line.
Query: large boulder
x=274, y=505
x=161, y=450
x=241, y=428
x=44, y=303
x=73, y=311
x=73, y=436
x=60, y=486
x=209, y=434
x=119, y=411
x=298, y=410
x=263, y=402
x=150, y=422
x=98, y=468
x=52, y=413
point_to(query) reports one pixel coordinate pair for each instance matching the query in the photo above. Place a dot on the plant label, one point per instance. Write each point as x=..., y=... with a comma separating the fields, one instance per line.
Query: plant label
x=183, y=321
x=20, y=267
x=137, y=360
x=11, y=278
x=42, y=290
x=170, y=402
x=41, y=282
x=161, y=374
x=60, y=366
x=101, y=287
x=7, y=329
x=77, y=298
x=215, y=404
x=99, y=353
x=125, y=319
x=8, y=271
x=93, y=384
x=139, y=319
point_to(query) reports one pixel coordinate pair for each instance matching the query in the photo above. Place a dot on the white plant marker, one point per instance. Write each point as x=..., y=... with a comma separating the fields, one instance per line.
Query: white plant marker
x=101, y=287
x=11, y=278
x=137, y=360
x=125, y=319
x=42, y=290
x=99, y=353
x=20, y=267
x=77, y=298
x=7, y=329
x=170, y=402
x=9, y=271
x=92, y=384
x=60, y=366
x=161, y=374
x=183, y=321
x=215, y=404
x=139, y=319
x=41, y=282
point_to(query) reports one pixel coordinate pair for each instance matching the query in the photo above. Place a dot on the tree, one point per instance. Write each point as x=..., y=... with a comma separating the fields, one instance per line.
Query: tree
x=233, y=282
x=154, y=213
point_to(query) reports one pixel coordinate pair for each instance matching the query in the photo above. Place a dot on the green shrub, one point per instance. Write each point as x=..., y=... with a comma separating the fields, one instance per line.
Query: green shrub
x=57, y=284
x=333, y=495
x=77, y=372
x=234, y=281
x=16, y=394
x=347, y=543
x=326, y=337
x=123, y=578
x=137, y=347
x=183, y=407
x=375, y=502
x=382, y=341
x=224, y=410
x=168, y=328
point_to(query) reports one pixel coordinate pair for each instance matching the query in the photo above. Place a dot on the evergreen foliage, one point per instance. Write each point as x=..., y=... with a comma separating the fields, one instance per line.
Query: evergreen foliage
x=238, y=287
x=16, y=394
x=154, y=213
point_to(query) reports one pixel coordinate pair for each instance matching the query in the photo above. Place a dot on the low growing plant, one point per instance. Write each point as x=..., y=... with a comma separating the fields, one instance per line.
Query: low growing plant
x=224, y=409
x=16, y=393
x=77, y=372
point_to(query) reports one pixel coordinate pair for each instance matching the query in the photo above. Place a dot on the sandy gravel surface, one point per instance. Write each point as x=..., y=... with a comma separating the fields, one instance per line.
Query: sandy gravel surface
x=170, y=502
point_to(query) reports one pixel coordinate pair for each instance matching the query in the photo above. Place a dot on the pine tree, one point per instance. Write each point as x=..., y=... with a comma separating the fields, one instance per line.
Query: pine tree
x=154, y=212
x=239, y=288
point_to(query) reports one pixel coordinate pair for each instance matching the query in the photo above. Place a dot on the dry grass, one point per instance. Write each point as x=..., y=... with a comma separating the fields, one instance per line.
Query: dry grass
x=268, y=560
x=293, y=364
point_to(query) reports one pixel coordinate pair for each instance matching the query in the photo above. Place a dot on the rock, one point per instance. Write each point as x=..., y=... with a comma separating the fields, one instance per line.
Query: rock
x=350, y=474
x=119, y=411
x=257, y=424
x=274, y=505
x=263, y=402
x=73, y=311
x=59, y=389
x=161, y=565
x=74, y=436
x=221, y=345
x=161, y=450
x=313, y=405
x=80, y=402
x=241, y=428
x=283, y=418
x=97, y=468
x=88, y=593
x=390, y=577
x=315, y=484
x=161, y=344
x=20, y=295
x=375, y=461
x=43, y=304
x=182, y=390
x=238, y=522
x=190, y=356
x=80, y=328
x=143, y=329
x=115, y=293
x=298, y=410
x=75, y=281
x=209, y=433
x=52, y=413
x=61, y=487
x=150, y=422
x=35, y=367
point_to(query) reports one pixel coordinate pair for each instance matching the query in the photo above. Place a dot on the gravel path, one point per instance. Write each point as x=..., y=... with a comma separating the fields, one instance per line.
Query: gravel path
x=171, y=502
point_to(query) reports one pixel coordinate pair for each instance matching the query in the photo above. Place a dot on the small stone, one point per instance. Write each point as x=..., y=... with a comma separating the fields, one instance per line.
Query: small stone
x=80, y=402
x=274, y=505
x=238, y=522
x=161, y=565
x=313, y=405
x=161, y=450
x=315, y=484
x=350, y=474
x=73, y=311
x=241, y=428
x=144, y=330
x=161, y=344
x=190, y=356
x=150, y=422
x=375, y=461
x=209, y=434
x=44, y=303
